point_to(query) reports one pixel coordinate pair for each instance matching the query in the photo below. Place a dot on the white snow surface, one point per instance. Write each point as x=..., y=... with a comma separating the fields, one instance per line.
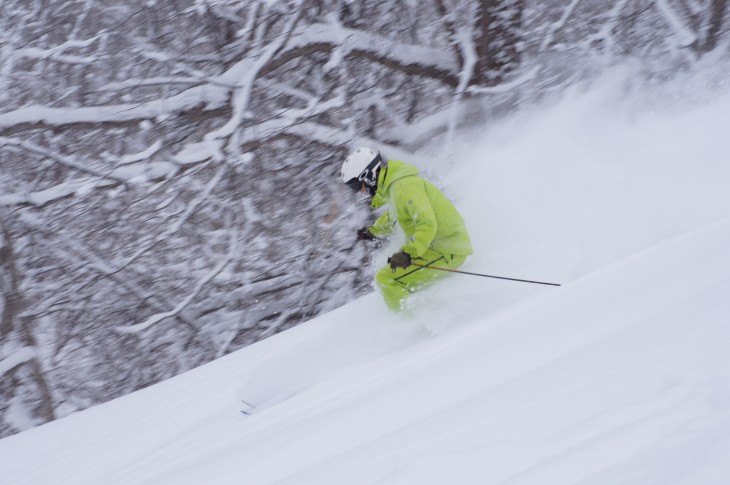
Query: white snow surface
x=620, y=376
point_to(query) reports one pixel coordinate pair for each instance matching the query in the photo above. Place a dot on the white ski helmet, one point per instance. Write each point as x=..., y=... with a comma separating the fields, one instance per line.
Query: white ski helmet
x=360, y=166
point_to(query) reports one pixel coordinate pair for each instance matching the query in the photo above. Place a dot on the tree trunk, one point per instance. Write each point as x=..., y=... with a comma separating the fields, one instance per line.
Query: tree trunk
x=11, y=322
x=714, y=27
x=7, y=284
x=498, y=26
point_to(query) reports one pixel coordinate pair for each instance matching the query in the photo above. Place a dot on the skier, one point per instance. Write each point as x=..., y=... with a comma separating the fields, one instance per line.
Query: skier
x=436, y=233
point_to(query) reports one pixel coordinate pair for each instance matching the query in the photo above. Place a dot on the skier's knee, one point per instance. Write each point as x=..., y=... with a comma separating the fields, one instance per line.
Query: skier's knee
x=393, y=291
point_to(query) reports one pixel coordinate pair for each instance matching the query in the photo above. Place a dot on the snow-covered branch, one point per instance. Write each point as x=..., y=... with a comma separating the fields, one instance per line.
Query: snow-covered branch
x=685, y=36
x=58, y=53
x=215, y=94
x=143, y=155
x=42, y=197
x=152, y=81
x=201, y=199
x=180, y=306
x=509, y=85
x=33, y=117
x=56, y=157
x=247, y=72
x=19, y=357
x=408, y=58
x=559, y=24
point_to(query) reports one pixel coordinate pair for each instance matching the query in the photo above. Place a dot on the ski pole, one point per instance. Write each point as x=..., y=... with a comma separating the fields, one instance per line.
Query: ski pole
x=484, y=275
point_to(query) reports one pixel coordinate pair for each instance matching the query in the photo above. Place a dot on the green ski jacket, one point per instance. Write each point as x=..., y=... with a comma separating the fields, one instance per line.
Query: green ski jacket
x=427, y=217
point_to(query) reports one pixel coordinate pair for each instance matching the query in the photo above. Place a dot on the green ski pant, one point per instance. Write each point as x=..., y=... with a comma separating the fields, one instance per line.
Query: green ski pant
x=396, y=285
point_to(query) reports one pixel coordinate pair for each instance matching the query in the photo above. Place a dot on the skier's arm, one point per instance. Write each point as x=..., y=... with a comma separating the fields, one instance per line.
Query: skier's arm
x=383, y=225
x=417, y=206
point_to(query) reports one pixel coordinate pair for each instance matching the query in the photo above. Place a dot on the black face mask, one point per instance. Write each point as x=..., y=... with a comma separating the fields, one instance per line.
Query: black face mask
x=372, y=189
x=369, y=177
x=354, y=184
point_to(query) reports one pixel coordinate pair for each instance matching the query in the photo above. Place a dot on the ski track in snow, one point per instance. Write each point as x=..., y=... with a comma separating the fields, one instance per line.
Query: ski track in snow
x=621, y=376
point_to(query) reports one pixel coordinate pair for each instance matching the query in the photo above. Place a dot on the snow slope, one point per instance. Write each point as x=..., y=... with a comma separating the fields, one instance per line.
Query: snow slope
x=621, y=376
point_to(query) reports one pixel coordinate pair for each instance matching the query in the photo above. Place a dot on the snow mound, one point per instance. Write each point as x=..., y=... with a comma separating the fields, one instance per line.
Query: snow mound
x=619, y=377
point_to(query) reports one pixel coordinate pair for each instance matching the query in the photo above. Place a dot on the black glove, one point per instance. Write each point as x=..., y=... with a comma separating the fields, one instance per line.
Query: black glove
x=399, y=260
x=365, y=234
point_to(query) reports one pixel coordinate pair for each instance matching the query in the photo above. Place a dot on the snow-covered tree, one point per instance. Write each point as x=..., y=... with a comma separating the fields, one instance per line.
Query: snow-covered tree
x=168, y=169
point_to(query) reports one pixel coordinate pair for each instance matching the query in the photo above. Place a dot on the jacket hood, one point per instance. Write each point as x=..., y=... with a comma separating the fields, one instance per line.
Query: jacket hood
x=393, y=171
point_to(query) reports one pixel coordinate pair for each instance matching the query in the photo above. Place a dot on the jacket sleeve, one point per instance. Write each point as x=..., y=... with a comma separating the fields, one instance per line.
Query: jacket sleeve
x=382, y=226
x=416, y=206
